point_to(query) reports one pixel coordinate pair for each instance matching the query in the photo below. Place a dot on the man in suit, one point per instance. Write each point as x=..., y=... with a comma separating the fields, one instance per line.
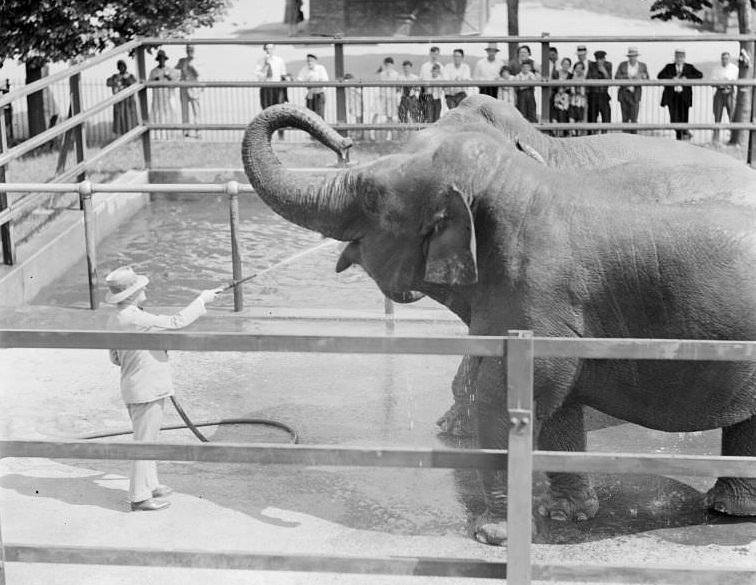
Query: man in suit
x=553, y=74
x=679, y=98
x=630, y=96
x=598, y=96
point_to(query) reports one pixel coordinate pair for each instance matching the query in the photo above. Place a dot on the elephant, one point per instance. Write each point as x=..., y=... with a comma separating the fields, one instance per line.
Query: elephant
x=508, y=243
x=591, y=153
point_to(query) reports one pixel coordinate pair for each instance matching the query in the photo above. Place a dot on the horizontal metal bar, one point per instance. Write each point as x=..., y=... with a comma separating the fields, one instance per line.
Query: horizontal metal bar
x=66, y=73
x=263, y=561
x=127, y=187
x=747, y=82
x=227, y=341
x=445, y=40
x=260, y=453
x=68, y=124
x=391, y=565
x=693, y=465
x=539, y=126
x=645, y=349
x=422, y=458
x=600, y=348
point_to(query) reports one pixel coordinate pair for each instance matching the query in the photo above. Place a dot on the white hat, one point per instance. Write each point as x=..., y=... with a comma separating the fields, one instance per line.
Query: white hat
x=123, y=282
x=492, y=47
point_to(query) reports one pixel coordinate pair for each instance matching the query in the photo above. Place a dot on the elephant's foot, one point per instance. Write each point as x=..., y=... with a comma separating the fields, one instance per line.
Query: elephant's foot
x=733, y=496
x=490, y=529
x=456, y=421
x=577, y=502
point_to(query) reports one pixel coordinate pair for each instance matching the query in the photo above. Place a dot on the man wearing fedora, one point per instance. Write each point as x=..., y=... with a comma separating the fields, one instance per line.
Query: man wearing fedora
x=145, y=374
x=678, y=98
x=488, y=70
x=629, y=96
x=598, y=96
x=164, y=99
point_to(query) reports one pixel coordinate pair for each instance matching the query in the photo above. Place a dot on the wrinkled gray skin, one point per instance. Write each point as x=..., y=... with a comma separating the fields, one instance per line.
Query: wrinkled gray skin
x=508, y=243
x=731, y=180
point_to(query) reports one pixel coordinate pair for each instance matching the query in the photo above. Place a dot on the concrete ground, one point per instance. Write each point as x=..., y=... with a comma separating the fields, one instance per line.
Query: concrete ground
x=358, y=400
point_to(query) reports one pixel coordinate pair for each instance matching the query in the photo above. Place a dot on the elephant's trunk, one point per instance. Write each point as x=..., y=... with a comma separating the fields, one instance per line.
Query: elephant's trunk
x=326, y=206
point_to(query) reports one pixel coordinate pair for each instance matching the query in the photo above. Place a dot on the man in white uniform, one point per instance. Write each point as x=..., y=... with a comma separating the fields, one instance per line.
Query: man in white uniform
x=145, y=374
x=724, y=95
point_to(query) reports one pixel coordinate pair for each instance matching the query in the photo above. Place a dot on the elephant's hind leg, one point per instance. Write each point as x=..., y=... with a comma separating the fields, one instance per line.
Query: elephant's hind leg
x=734, y=495
x=570, y=496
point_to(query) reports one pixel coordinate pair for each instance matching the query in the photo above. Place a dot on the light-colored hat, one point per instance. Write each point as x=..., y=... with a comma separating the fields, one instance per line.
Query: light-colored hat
x=679, y=51
x=492, y=47
x=123, y=282
x=632, y=52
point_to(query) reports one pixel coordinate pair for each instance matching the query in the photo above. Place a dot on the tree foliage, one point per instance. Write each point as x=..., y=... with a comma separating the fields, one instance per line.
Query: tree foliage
x=689, y=9
x=59, y=30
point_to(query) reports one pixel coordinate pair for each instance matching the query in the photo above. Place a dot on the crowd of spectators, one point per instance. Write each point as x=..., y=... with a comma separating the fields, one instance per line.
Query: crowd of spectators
x=572, y=102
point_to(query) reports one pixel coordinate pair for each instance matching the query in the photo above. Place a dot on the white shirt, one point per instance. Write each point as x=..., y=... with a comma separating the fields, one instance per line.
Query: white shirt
x=317, y=73
x=729, y=73
x=461, y=73
x=277, y=68
x=146, y=373
x=425, y=70
x=487, y=70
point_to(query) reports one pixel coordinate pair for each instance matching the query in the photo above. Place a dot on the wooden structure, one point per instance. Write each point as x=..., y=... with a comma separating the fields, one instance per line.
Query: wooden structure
x=398, y=17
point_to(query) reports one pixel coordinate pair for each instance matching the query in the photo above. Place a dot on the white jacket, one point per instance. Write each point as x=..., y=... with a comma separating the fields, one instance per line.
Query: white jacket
x=145, y=373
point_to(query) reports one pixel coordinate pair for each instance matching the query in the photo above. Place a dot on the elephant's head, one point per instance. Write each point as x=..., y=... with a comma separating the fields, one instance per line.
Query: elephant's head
x=408, y=218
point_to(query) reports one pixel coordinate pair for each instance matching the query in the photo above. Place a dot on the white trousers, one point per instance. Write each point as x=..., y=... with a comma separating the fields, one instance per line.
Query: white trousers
x=146, y=419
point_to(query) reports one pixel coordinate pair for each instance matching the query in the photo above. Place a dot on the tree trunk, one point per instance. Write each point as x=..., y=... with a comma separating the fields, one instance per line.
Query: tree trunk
x=35, y=101
x=744, y=99
x=513, y=25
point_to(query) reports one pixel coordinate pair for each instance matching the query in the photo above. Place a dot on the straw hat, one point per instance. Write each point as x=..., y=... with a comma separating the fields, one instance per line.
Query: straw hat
x=632, y=52
x=492, y=47
x=123, y=282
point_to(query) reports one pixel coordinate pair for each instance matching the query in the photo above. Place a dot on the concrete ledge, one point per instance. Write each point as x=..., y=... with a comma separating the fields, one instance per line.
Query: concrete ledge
x=55, y=250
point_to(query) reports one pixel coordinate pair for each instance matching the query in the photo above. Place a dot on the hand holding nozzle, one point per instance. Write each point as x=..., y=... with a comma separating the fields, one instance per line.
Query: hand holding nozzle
x=210, y=295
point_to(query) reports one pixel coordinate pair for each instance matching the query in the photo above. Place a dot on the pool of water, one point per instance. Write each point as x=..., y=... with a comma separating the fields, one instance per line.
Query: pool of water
x=184, y=245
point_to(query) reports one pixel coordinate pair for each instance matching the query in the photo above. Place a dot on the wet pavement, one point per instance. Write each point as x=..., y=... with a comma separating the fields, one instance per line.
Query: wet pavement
x=346, y=400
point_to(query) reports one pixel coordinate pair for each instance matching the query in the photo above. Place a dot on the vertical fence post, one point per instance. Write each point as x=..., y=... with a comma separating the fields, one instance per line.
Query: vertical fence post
x=545, y=91
x=340, y=91
x=519, y=363
x=232, y=188
x=6, y=229
x=143, y=109
x=78, y=132
x=85, y=196
x=2, y=559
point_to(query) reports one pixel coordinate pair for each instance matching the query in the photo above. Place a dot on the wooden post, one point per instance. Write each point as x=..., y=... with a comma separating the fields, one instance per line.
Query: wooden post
x=232, y=188
x=143, y=108
x=85, y=195
x=6, y=229
x=545, y=91
x=79, y=136
x=519, y=361
x=340, y=91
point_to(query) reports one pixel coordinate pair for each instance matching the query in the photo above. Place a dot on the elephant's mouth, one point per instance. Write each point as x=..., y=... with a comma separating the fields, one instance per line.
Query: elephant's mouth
x=405, y=297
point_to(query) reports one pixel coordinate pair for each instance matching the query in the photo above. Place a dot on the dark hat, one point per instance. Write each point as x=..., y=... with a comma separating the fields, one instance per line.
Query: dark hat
x=600, y=54
x=161, y=55
x=581, y=48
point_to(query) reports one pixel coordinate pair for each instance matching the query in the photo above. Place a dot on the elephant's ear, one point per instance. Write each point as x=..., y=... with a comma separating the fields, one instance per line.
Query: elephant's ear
x=451, y=255
x=529, y=150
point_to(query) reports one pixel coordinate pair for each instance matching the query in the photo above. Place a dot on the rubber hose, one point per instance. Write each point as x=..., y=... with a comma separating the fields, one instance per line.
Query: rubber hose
x=189, y=424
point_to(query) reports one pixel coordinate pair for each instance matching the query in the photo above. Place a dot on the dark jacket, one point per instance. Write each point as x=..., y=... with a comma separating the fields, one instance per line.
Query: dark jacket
x=623, y=93
x=595, y=73
x=685, y=98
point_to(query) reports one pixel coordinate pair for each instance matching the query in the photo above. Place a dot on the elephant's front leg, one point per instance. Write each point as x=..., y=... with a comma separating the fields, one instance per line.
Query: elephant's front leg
x=570, y=496
x=460, y=420
x=736, y=496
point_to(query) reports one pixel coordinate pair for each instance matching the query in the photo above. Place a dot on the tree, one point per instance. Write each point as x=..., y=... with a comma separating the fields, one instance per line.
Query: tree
x=60, y=30
x=688, y=10
x=513, y=25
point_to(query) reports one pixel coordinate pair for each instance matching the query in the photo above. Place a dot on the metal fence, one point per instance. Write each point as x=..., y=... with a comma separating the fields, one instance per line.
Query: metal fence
x=518, y=351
